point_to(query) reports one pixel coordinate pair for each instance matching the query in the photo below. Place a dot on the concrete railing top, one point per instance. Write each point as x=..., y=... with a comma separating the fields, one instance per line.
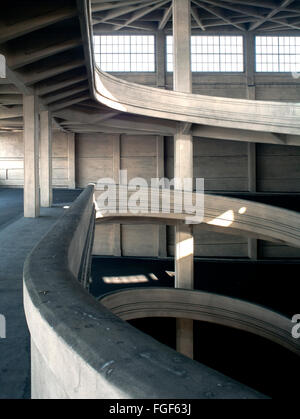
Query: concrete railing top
x=89, y=352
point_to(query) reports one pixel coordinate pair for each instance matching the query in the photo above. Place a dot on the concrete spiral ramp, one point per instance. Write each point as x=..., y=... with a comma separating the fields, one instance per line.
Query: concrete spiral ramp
x=252, y=115
x=270, y=118
x=218, y=213
x=202, y=306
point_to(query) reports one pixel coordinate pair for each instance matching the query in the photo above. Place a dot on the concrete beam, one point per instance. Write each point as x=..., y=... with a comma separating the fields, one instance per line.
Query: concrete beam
x=14, y=112
x=139, y=14
x=68, y=102
x=21, y=57
x=40, y=74
x=165, y=18
x=8, y=32
x=66, y=93
x=45, y=88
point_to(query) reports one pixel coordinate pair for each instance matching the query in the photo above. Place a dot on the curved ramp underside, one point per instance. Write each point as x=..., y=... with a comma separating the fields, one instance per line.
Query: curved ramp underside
x=222, y=214
x=203, y=306
x=124, y=96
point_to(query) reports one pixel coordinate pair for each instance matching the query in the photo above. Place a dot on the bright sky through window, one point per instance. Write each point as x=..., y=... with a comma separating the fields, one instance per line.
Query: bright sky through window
x=125, y=53
x=212, y=53
x=277, y=53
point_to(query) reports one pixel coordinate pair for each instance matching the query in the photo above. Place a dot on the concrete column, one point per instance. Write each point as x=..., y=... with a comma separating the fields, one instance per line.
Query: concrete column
x=46, y=159
x=31, y=156
x=116, y=171
x=182, y=46
x=184, y=241
x=161, y=59
x=249, y=53
x=160, y=173
x=183, y=165
x=71, y=160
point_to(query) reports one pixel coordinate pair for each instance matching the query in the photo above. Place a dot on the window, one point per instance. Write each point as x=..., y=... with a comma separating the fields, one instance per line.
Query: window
x=212, y=53
x=277, y=53
x=170, y=53
x=125, y=52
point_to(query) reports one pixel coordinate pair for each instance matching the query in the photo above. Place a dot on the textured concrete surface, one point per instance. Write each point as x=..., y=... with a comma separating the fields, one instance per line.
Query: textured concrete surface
x=17, y=238
x=89, y=352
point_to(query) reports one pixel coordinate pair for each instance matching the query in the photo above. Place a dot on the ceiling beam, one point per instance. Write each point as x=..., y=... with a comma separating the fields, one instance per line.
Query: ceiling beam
x=196, y=17
x=57, y=84
x=68, y=102
x=73, y=116
x=142, y=13
x=8, y=32
x=8, y=89
x=145, y=26
x=100, y=7
x=14, y=112
x=123, y=11
x=62, y=95
x=218, y=13
x=271, y=14
x=247, y=11
x=34, y=76
x=11, y=99
x=18, y=82
x=166, y=16
x=21, y=57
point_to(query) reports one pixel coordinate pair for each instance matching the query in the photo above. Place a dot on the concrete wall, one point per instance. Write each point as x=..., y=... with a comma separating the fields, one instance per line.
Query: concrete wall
x=277, y=87
x=12, y=160
x=223, y=164
x=95, y=160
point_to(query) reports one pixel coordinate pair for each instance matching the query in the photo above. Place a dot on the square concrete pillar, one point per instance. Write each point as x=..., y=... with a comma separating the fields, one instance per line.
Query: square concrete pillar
x=161, y=241
x=31, y=156
x=183, y=165
x=249, y=52
x=116, y=173
x=46, y=158
x=71, y=160
x=182, y=46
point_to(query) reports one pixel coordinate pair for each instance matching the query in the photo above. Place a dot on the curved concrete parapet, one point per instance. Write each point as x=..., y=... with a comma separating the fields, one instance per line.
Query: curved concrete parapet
x=80, y=349
x=203, y=306
x=245, y=114
x=223, y=214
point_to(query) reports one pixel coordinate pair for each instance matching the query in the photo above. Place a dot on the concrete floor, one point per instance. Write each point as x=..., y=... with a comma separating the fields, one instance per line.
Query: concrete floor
x=17, y=237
